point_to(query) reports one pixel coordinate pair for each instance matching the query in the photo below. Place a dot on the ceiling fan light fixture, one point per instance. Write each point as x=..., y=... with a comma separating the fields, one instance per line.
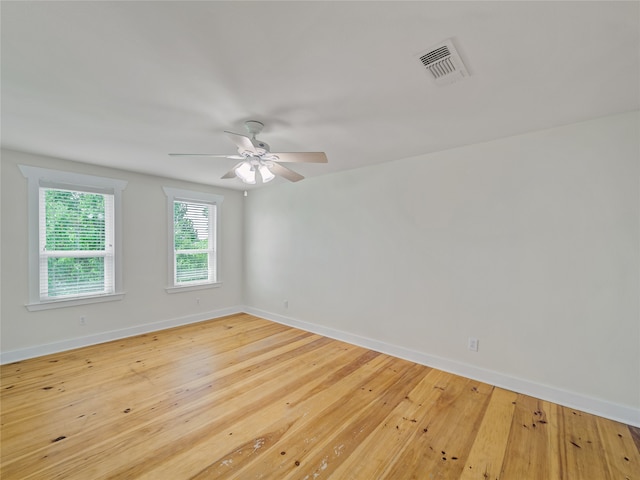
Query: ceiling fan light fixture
x=246, y=173
x=256, y=157
x=266, y=174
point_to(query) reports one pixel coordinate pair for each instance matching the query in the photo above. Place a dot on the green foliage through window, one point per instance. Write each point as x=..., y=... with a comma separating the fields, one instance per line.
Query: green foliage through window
x=69, y=276
x=75, y=220
x=75, y=247
x=193, y=242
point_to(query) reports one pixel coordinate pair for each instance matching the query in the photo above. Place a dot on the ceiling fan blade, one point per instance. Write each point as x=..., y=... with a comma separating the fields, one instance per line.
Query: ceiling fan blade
x=233, y=157
x=243, y=143
x=285, y=172
x=300, y=157
x=231, y=173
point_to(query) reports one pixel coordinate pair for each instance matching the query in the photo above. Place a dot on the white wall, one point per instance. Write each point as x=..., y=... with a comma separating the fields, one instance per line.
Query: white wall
x=529, y=243
x=146, y=306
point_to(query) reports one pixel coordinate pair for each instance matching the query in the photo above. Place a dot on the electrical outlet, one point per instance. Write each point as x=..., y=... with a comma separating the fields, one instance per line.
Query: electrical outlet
x=473, y=344
x=198, y=301
x=285, y=304
x=83, y=320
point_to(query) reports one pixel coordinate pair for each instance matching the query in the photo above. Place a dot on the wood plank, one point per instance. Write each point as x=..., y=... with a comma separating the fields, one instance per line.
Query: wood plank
x=315, y=445
x=392, y=431
x=452, y=422
x=487, y=454
x=254, y=432
x=179, y=410
x=581, y=445
x=622, y=455
x=528, y=453
x=635, y=434
x=242, y=397
x=134, y=394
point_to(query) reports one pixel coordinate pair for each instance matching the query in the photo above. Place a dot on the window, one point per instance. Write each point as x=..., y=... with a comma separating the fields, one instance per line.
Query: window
x=193, y=219
x=76, y=243
x=74, y=254
x=194, y=242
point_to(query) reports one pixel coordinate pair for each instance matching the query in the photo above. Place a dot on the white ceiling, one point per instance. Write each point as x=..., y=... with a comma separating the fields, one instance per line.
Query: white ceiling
x=123, y=84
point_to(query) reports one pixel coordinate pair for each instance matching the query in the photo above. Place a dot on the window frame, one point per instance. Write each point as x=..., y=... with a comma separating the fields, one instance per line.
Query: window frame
x=192, y=196
x=38, y=178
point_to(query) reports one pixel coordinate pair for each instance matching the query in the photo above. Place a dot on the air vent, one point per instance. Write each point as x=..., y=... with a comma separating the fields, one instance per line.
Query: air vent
x=443, y=63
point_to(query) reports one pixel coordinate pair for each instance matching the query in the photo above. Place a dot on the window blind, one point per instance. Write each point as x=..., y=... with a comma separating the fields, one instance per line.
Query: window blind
x=194, y=242
x=76, y=243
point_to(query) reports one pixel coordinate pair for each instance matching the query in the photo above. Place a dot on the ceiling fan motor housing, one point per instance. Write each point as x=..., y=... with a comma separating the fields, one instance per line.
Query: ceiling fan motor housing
x=260, y=146
x=254, y=128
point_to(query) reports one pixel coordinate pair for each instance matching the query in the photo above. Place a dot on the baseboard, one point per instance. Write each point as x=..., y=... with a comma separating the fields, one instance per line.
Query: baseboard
x=602, y=408
x=64, y=345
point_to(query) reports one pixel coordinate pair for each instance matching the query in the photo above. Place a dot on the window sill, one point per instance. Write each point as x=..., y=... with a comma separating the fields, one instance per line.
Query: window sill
x=190, y=288
x=72, y=302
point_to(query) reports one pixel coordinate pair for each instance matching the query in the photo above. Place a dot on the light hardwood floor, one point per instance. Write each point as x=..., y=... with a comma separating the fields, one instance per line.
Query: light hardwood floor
x=242, y=397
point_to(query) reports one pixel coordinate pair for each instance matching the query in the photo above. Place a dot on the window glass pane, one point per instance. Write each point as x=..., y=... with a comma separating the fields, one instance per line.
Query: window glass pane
x=75, y=276
x=76, y=243
x=74, y=220
x=191, y=267
x=191, y=226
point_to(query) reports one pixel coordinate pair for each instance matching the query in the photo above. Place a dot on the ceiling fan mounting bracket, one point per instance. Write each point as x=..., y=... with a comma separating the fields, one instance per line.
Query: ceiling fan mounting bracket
x=253, y=127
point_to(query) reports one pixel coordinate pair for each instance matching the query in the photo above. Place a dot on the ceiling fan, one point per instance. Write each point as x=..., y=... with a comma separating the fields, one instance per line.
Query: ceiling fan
x=257, y=157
